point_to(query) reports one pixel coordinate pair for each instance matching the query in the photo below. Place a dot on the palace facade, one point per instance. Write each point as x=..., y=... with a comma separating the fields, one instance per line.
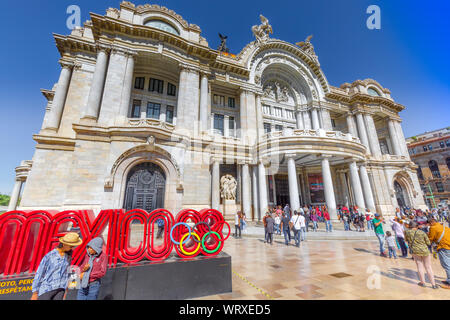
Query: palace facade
x=146, y=115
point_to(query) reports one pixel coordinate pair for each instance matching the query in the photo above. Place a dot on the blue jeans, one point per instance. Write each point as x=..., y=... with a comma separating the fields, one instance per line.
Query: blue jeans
x=315, y=225
x=287, y=236
x=297, y=237
x=392, y=252
x=444, y=257
x=277, y=228
x=328, y=225
x=346, y=226
x=89, y=293
x=369, y=225
x=303, y=233
x=381, y=240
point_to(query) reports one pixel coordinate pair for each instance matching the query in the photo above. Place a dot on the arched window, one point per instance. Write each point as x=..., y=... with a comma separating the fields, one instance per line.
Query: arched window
x=419, y=173
x=434, y=168
x=448, y=163
x=162, y=25
x=373, y=92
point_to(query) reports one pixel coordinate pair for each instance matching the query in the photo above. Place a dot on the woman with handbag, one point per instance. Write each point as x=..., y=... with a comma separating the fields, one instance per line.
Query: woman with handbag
x=418, y=245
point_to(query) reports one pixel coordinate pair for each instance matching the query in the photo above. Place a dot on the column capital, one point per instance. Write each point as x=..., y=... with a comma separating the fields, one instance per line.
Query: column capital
x=214, y=159
x=325, y=156
x=123, y=51
x=290, y=155
x=205, y=73
x=188, y=68
x=264, y=161
x=67, y=64
x=103, y=47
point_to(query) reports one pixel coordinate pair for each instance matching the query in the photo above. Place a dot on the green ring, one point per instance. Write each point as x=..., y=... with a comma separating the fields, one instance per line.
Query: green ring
x=203, y=242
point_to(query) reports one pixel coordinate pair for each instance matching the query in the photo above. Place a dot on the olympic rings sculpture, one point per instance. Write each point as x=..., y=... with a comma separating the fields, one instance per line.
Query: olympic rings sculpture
x=31, y=234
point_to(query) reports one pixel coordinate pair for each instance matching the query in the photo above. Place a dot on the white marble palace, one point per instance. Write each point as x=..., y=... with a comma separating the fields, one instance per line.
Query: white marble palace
x=146, y=115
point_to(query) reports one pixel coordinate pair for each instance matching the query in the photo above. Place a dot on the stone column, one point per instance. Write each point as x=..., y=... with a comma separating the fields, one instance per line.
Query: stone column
x=315, y=118
x=351, y=125
x=262, y=189
x=204, y=102
x=356, y=185
x=98, y=82
x=246, y=200
x=367, y=189
x=346, y=191
x=256, y=211
x=326, y=120
x=394, y=138
x=127, y=86
x=299, y=119
x=372, y=136
x=293, y=184
x=54, y=117
x=328, y=188
x=15, y=195
x=362, y=131
x=259, y=116
x=188, y=99
x=401, y=139
x=215, y=185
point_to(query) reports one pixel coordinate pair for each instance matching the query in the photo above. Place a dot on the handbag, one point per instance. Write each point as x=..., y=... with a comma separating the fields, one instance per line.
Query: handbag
x=291, y=225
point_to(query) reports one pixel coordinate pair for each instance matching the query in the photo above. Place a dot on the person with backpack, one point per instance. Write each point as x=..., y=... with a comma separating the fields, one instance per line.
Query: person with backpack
x=295, y=225
x=285, y=227
x=440, y=235
x=160, y=223
x=94, y=269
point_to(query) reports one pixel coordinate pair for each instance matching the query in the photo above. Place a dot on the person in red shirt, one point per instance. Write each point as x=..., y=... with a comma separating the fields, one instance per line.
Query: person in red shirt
x=328, y=224
x=94, y=267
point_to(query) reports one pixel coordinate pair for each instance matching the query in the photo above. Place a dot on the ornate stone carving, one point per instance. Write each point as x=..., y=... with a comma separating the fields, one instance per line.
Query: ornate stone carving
x=276, y=92
x=262, y=31
x=228, y=186
x=307, y=47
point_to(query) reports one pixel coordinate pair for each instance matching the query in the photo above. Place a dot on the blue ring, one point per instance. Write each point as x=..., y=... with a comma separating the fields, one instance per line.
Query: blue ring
x=171, y=232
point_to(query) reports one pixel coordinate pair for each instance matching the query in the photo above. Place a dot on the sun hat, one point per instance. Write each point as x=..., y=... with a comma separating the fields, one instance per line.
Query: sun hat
x=71, y=239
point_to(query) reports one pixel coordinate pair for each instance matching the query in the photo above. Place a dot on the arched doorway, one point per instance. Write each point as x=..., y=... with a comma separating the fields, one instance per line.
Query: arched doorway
x=145, y=189
x=400, y=195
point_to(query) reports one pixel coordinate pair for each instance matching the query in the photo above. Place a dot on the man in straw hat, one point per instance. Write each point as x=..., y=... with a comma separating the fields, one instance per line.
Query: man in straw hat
x=52, y=276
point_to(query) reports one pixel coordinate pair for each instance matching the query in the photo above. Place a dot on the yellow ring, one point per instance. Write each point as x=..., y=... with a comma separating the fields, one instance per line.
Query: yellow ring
x=181, y=244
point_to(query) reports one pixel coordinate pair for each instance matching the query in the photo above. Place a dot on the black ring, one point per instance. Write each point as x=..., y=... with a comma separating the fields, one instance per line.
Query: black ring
x=195, y=226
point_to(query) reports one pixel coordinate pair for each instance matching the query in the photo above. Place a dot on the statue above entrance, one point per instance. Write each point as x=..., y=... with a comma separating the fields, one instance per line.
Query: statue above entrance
x=262, y=31
x=228, y=187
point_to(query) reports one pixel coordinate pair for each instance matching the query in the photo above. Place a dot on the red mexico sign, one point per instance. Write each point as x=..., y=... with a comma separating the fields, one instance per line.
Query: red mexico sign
x=26, y=236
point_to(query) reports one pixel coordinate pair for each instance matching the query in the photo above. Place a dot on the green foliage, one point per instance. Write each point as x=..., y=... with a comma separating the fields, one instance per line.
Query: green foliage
x=4, y=199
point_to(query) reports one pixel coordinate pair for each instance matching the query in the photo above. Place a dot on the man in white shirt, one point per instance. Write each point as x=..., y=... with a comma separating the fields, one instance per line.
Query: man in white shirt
x=297, y=221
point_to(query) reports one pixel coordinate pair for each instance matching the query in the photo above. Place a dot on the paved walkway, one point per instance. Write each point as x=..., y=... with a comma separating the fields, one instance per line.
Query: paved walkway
x=323, y=270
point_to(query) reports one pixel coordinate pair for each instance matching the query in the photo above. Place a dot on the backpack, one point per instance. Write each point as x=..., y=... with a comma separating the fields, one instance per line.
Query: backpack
x=160, y=222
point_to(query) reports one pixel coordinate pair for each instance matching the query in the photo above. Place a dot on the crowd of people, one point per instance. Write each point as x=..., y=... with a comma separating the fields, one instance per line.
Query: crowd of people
x=422, y=234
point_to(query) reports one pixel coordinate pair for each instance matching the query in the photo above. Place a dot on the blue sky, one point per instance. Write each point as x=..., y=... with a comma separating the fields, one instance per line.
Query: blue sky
x=409, y=55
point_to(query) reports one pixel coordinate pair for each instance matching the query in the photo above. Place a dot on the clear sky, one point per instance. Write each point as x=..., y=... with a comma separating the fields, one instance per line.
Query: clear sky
x=409, y=55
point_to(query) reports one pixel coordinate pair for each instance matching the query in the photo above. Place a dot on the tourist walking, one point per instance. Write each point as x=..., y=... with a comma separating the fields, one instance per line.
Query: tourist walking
x=277, y=224
x=440, y=235
x=399, y=230
x=307, y=217
x=52, y=276
x=237, y=224
x=265, y=225
x=314, y=220
x=346, y=220
x=328, y=225
x=94, y=269
x=391, y=244
x=243, y=222
x=419, y=242
x=296, y=226
x=269, y=228
x=160, y=224
x=379, y=232
x=285, y=226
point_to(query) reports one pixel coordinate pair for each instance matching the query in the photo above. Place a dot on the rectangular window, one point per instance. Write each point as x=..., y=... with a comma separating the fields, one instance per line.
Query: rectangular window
x=231, y=103
x=430, y=147
x=333, y=123
x=290, y=114
x=231, y=126
x=218, y=123
x=439, y=187
x=442, y=144
x=267, y=128
x=425, y=148
x=278, y=127
x=216, y=99
x=222, y=101
x=156, y=85
x=447, y=143
x=171, y=89
x=136, y=109
x=153, y=110
x=169, y=114
x=139, y=83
